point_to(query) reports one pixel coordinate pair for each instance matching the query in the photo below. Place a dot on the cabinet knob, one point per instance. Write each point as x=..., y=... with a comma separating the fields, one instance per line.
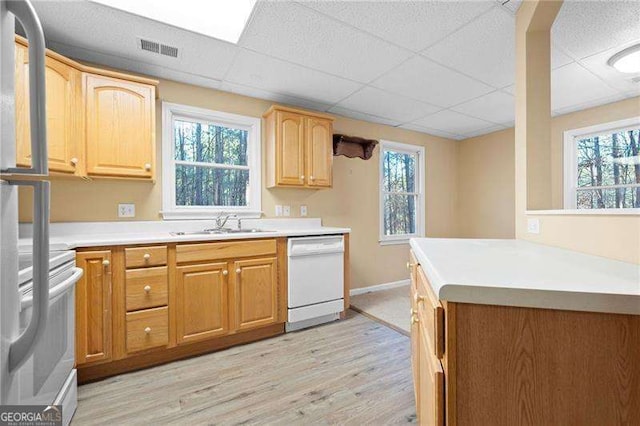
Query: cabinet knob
x=413, y=312
x=418, y=298
x=105, y=262
x=74, y=161
x=414, y=319
x=147, y=166
x=147, y=288
x=146, y=256
x=312, y=178
x=238, y=270
x=147, y=330
x=302, y=177
x=409, y=265
x=225, y=272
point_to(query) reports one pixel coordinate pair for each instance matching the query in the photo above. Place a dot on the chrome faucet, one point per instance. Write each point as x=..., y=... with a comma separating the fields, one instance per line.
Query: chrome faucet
x=221, y=220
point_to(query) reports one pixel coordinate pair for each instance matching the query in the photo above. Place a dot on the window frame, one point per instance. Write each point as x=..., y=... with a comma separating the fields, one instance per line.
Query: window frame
x=172, y=111
x=420, y=186
x=570, y=166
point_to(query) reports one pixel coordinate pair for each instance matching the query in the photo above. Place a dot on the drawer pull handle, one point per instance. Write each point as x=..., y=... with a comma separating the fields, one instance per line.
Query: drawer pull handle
x=147, y=166
x=414, y=319
x=105, y=262
x=312, y=178
x=74, y=161
x=146, y=256
x=147, y=330
x=409, y=265
x=225, y=272
x=413, y=312
x=302, y=177
x=238, y=270
x=147, y=288
x=418, y=298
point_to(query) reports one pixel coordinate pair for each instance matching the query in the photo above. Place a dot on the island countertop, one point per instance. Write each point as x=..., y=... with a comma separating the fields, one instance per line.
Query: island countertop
x=521, y=273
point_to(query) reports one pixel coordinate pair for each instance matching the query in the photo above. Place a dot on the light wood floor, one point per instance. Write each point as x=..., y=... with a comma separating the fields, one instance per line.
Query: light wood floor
x=353, y=372
x=390, y=306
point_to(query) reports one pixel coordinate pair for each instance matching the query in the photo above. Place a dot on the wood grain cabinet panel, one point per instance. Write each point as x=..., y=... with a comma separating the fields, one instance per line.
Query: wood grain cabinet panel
x=299, y=148
x=255, y=293
x=146, y=288
x=431, y=381
x=93, y=307
x=431, y=314
x=202, y=296
x=415, y=341
x=140, y=257
x=147, y=329
x=120, y=120
x=64, y=120
x=319, y=152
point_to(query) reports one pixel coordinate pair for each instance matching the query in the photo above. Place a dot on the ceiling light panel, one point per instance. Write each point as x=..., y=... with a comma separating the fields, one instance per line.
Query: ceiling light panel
x=221, y=19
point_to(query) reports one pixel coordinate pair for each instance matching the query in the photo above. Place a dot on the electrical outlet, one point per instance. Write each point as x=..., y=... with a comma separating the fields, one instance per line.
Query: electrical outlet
x=126, y=210
x=278, y=210
x=533, y=226
x=286, y=210
x=303, y=210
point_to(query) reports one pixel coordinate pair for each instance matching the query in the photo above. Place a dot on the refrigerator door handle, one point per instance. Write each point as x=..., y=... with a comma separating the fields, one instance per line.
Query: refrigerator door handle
x=25, y=13
x=22, y=348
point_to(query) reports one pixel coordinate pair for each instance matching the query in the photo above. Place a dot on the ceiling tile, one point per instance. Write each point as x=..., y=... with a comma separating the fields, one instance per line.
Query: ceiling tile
x=588, y=27
x=453, y=122
x=590, y=104
x=597, y=64
x=271, y=96
x=496, y=107
x=387, y=105
x=574, y=85
x=345, y=112
x=427, y=81
x=432, y=132
x=484, y=131
x=411, y=24
x=274, y=75
x=90, y=26
x=292, y=32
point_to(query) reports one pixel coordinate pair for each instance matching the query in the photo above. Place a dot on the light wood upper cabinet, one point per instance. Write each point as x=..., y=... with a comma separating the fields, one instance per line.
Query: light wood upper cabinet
x=93, y=307
x=64, y=118
x=299, y=148
x=319, y=145
x=120, y=120
x=202, y=301
x=255, y=293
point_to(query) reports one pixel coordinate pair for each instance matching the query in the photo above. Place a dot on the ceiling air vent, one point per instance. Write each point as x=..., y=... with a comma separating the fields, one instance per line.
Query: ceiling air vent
x=158, y=48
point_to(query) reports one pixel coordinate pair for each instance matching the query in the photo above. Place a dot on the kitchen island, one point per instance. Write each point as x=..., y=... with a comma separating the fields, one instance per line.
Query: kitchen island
x=512, y=332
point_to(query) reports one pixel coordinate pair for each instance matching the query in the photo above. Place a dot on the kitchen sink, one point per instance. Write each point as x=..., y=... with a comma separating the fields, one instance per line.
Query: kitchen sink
x=221, y=231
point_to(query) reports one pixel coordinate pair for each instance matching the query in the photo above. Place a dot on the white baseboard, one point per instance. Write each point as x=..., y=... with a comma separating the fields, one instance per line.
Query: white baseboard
x=379, y=287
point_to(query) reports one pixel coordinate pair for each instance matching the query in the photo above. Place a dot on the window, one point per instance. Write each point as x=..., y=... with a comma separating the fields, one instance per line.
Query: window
x=602, y=166
x=401, y=192
x=211, y=163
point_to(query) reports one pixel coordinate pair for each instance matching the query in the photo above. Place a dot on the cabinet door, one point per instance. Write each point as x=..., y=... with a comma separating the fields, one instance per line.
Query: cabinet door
x=430, y=402
x=319, y=139
x=64, y=132
x=93, y=307
x=255, y=293
x=120, y=134
x=415, y=340
x=290, y=149
x=202, y=302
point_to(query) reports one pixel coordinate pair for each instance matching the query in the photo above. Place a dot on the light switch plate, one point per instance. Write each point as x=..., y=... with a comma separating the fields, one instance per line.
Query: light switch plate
x=286, y=210
x=303, y=210
x=278, y=210
x=533, y=226
x=126, y=210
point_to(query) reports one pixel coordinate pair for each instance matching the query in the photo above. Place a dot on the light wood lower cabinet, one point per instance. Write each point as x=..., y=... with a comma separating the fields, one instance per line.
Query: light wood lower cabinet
x=93, y=307
x=202, y=301
x=505, y=365
x=147, y=329
x=255, y=293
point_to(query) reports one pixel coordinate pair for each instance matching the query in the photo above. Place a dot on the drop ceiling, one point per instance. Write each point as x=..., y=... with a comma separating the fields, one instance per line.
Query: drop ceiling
x=444, y=68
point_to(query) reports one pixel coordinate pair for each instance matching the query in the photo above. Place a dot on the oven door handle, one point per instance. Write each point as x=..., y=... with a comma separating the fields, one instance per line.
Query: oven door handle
x=56, y=291
x=26, y=14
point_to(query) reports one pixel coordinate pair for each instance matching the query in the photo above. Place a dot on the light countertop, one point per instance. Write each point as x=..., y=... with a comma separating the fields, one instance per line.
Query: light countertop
x=69, y=236
x=521, y=273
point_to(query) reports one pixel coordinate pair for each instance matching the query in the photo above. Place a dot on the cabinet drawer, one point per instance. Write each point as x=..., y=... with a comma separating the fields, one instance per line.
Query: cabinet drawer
x=139, y=257
x=146, y=288
x=147, y=329
x=226, y=250
x=430, y=314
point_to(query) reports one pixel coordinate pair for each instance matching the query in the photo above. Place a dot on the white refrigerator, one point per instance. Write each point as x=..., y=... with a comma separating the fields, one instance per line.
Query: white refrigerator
x=36, y=295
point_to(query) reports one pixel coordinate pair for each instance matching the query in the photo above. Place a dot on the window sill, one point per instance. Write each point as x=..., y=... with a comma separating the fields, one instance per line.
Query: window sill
x=584, y=212
x=200, y=214
x=395, y=242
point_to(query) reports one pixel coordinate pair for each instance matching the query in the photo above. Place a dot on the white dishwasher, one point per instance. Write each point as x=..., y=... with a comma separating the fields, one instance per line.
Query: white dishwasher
x=316, y=280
